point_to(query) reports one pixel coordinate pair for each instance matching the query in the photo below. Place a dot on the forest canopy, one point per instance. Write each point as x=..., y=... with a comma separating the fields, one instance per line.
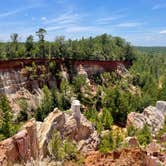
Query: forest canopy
x=103, y=47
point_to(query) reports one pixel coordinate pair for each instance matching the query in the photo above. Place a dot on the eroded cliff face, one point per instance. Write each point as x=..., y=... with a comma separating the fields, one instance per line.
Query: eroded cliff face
x=20, y=148
x=13, y=77
x=11, y=81
x=31, y=143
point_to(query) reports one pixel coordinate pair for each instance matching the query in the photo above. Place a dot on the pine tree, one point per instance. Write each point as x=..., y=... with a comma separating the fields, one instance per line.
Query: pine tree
x=6, y=117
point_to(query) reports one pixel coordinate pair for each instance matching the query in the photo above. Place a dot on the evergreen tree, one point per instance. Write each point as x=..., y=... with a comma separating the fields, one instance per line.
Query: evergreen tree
x=6, y=117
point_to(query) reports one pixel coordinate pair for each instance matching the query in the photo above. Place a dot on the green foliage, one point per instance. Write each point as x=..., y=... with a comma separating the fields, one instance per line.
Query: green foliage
x=6, y=116
x=7, y=128
x=144, y=136
x=62, y=96
x=131, y=131
x=111, y=141
x=120, y=103
x=106, y=143
x=52, y=67
x=162, y=131
x=46, y=105
x=56, y=146
x=103, y=47
x=106, y=119
x=62, y=149
x=78, y=82
x=23, y=115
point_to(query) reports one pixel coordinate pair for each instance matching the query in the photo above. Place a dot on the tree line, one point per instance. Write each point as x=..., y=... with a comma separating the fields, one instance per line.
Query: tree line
x=103, y=47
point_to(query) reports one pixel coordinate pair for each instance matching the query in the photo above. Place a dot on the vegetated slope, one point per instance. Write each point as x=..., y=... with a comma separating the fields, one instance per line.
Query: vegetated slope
x=149, y=75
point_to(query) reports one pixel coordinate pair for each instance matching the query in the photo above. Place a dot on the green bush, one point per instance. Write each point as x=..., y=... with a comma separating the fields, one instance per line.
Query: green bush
x=144, y=136
x=63, y=149
x=111, y=141
x=7, y=127
x=46, y=106
x=106, y=118
x=106, y=143
x=56, y=146
x=131, y=131
x=23, y=115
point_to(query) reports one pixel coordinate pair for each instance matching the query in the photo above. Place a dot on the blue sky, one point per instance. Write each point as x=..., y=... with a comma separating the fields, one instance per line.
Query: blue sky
x=141, y=22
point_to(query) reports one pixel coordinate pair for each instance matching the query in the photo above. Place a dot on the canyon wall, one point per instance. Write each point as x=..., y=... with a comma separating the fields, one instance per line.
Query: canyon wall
x=12, y=78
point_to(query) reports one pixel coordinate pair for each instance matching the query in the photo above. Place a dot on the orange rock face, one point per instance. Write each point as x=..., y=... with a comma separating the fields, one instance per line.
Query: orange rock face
x=125, y=157
x=21, y=147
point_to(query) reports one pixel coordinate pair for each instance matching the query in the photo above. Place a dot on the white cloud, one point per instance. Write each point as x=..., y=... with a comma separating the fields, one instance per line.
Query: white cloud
x=44, y=18
x=66, y=18
x=163, y=32
x=129, y=24
x=108, y=20
x=159, y=6
x=80, y=29
x=53, y=28
x=13, y=12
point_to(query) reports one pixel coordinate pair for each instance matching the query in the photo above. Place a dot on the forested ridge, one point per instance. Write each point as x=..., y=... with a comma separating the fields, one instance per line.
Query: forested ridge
x=103, y=47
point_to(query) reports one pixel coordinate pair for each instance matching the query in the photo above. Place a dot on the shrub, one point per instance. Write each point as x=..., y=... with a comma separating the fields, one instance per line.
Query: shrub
x=63, y=149
x=107, y=119
x=144, y=136
x=131, y=131
x=111, y=141
x=23, y=115
x=106, y=143
x=56, y=146
x=7, y=127
x=46, y=106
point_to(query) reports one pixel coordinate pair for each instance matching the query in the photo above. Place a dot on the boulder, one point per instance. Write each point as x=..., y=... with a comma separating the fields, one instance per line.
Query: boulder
x=132, y=141
x=136, y=119
x=163, y=138
x=152, y=161
x=153, y=147
x=161, y=105
x=152, y=116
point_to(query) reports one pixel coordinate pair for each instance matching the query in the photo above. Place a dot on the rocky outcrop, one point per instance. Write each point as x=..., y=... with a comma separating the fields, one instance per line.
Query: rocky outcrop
x=154, y=117
x=31, y=143
x=32, y=100
x=82, y=132
x=21, y=147
x=54, y=121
